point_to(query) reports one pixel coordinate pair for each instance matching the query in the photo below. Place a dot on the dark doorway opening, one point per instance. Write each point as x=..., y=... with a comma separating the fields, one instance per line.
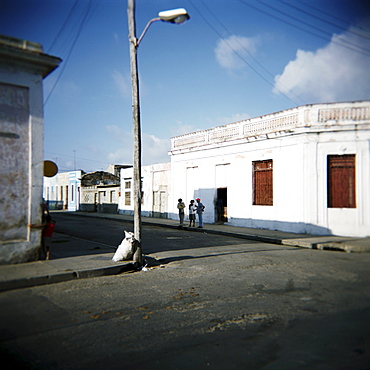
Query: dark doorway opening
x=221, y=205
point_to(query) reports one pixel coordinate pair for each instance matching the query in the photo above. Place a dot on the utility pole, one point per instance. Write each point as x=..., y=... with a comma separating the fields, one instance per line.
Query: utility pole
x=138, y=258
x=172, y=16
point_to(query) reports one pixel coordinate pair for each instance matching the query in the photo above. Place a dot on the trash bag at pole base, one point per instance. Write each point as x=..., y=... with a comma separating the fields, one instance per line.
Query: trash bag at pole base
x=127, y=249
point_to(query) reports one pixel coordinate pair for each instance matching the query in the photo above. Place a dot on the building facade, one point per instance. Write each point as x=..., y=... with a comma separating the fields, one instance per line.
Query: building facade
x=156, y=189
x=90, y=192
x=99, y=192
x=63, y=191
x=23, y=66
x=302, y=170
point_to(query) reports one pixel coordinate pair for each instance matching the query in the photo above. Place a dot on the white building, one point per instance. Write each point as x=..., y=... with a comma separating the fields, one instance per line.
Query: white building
x=74, y=193
x=302, y=170
x=63, y=191
x=155, y=190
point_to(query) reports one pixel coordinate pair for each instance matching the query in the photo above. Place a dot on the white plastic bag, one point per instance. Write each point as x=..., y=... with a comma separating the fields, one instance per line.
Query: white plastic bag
x=126, y=249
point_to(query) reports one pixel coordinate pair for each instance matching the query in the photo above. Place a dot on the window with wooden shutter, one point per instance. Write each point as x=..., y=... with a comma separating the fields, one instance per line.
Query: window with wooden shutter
x=263, y=183
x=342, y=181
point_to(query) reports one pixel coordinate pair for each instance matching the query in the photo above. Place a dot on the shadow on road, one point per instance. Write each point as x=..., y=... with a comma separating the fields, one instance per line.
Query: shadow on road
x=78, y=236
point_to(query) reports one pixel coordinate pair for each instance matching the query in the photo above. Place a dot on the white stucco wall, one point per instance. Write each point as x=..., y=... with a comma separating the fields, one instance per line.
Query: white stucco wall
x=345, y=221
x=22, y=169
x=237, y=178
x=22, y=68
x=156, y=190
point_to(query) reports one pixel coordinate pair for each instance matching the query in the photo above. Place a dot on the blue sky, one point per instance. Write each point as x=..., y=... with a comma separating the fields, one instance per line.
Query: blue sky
x=234, y=59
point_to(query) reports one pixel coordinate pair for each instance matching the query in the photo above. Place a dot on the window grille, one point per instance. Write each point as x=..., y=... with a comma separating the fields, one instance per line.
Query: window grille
x=341, y=181
x=263, y=183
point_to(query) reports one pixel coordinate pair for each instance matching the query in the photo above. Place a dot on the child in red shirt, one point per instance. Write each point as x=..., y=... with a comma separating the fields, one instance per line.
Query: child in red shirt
x=47, y=233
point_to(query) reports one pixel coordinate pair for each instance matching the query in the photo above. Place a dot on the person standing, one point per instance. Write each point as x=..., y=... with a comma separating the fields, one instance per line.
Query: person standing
x=192, y=210
x=181, y=207
x=47, y=232
x=220, y=209
x=200, y=209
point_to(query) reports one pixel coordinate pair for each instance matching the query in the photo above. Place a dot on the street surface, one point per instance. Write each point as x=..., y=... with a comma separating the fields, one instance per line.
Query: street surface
x=208, y=302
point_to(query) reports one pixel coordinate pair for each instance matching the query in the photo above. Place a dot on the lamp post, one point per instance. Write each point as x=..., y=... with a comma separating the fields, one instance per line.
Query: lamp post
x=172, y=16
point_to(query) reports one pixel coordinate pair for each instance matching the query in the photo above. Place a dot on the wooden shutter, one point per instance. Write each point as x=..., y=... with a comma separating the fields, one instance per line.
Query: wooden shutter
x=263, y=183
x=342, y=181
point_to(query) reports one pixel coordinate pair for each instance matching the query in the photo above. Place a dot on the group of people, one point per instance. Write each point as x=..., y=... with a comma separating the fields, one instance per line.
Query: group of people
x=193, y=210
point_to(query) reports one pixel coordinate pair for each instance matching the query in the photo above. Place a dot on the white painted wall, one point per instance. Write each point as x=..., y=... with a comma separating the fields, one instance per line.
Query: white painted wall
x=155, y=186
x=22, y=69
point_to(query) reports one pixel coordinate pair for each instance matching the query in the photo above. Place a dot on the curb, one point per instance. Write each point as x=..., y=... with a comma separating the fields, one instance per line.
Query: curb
x=59, y=277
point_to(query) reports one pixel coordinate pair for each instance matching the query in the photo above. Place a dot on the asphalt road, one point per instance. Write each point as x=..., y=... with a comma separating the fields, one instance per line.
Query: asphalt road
x=208, y=302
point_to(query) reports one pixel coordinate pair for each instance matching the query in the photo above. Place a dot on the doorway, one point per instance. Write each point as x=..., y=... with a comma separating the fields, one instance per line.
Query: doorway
x=221, y=205
x=160, y=203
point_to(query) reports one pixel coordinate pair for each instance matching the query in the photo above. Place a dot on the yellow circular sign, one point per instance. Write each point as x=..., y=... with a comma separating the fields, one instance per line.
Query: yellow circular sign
x=50, y=169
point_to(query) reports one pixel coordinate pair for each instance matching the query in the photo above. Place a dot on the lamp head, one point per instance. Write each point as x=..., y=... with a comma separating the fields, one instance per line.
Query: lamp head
x=174, y=16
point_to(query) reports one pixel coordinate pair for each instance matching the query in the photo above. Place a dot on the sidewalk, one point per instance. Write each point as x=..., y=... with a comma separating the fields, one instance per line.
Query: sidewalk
x=91, y=264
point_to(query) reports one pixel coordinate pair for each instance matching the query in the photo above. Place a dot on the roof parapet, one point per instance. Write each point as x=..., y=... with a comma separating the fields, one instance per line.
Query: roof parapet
x=315, y=116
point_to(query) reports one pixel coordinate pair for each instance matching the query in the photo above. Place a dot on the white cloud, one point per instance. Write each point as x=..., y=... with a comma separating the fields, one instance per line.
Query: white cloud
x=234, y=118
x=123, y=83
x=121, y=152
x=153, y=149
x=230, y=52
x=181, y=129
x=333, y=73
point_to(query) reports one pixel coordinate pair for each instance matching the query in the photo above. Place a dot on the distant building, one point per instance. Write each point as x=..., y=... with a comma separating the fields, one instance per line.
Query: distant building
x=79, y=191
x=74, y=192
x=23, y=66
x=115, y=169
x=99, y=192
x=156, y=180
x=62, y=191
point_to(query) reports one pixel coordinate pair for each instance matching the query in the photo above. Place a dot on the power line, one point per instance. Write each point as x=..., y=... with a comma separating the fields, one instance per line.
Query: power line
x=333, y=16
x=324, y=20
x=240, y=56
x=355, y=47
x=251, y=56
x=351, y=45
x=73, y=157
x=63, y=27
x=88, y=12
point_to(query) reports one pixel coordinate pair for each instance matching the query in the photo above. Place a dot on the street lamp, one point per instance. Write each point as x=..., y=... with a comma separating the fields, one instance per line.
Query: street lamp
x=176, y=16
